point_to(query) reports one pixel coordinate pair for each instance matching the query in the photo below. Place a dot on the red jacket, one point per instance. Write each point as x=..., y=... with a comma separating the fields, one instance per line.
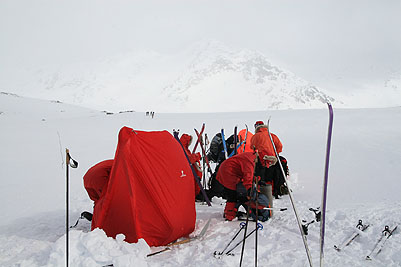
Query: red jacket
x=96, y=179
x=186, y=141
x=261, y=141
x=238, y=168
x=241, y=136
x=193, y=158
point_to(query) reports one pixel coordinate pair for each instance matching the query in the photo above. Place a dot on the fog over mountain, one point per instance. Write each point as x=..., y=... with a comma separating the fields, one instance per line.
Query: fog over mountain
x=208, y=76
x=158, y=55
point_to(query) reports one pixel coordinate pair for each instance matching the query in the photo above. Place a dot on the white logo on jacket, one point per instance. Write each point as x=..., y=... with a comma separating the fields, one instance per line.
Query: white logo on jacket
x=182, y=174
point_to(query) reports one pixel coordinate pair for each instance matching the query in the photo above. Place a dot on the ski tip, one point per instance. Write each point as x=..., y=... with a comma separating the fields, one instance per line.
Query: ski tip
x=203, y=232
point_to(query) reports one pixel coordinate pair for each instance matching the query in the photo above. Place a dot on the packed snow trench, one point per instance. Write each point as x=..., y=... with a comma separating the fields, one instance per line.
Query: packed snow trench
x=364, y=184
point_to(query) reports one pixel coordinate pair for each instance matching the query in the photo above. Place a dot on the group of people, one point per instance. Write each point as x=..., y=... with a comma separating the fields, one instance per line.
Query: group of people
x=150, y=113
x=249, y=178
x=256, y=165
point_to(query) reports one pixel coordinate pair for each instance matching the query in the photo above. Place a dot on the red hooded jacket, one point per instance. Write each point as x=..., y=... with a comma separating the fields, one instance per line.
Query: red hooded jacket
x=186, y=140
x=241, y=136
x=238, y=168
x=194, y=158
x=261, y=141
x=96, y=179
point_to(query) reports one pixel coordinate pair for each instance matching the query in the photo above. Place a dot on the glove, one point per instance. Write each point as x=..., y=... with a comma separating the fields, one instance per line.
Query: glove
x=251, y=194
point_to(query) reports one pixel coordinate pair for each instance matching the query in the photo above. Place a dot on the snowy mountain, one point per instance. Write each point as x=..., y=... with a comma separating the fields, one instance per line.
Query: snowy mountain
x=206, y=77
x=363, y=185
x=244, y=77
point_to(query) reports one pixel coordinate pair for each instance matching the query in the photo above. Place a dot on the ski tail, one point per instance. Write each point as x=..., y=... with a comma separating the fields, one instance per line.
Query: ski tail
x=199, y=137
x=235, y=140
x=246, y=136
x=202, y=145
x=224, y=143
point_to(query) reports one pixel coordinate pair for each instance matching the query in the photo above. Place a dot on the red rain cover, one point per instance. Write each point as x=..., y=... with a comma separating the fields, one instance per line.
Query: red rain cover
x=150, y=194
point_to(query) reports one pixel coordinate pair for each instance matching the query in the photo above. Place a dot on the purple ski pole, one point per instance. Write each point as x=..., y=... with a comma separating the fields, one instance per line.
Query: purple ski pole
x=325, y=184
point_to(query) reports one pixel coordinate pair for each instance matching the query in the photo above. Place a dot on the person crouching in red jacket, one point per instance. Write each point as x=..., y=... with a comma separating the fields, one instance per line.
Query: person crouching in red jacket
x=236, y=176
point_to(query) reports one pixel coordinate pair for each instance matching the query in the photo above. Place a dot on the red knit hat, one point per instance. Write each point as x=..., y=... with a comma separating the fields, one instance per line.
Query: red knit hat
x=258, y=123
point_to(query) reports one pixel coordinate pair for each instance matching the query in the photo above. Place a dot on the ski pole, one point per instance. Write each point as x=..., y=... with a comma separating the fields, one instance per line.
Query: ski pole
x=253, y=191
x=291, y=198
x=69, y=162
x=242, y=225
x=256, y=227
x=260, y=227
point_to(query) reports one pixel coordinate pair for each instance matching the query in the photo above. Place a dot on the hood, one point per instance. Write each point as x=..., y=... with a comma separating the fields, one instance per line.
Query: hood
x=185, y=140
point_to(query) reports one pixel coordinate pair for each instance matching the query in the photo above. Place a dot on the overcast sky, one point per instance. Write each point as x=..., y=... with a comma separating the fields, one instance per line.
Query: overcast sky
x=331, y=43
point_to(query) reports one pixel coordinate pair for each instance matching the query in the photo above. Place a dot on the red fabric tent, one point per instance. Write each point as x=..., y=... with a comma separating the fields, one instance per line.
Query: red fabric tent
x=150, y=194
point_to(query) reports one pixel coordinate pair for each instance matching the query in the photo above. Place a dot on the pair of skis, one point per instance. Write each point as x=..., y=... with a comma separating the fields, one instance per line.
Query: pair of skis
x=360, y=227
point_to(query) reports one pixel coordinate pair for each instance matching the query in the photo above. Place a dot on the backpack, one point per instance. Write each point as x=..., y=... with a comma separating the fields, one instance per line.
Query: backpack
x=216, y=146
x=279, y=187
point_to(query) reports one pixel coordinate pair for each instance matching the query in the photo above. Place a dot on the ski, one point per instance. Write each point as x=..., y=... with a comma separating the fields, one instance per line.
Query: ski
x=360, y=227
x=184, y=241
x=386, y=234
x=325, y=184
x=204, y=152
x=199, y=137
x=235, y=140
x=197, y=179
x=291, y=198
x=224, y=143
x=246, y=136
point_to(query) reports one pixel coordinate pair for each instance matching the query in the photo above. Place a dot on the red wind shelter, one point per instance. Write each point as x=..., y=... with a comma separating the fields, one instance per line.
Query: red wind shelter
x=150, y=193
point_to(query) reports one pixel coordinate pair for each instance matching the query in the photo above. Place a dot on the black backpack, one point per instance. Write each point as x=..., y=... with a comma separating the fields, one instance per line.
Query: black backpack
x=279, y=187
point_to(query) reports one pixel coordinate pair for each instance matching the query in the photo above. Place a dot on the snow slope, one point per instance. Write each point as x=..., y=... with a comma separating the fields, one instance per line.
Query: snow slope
x=363, y=184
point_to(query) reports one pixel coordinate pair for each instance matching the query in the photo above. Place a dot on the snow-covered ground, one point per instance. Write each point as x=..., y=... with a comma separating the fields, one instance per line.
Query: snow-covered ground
x=364, y=183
